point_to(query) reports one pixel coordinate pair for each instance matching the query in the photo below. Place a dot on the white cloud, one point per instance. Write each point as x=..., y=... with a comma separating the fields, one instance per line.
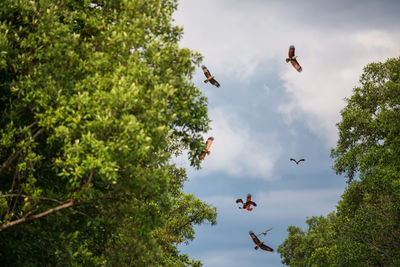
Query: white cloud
x=317, y=94
x=237, y=150
x=237, y=39
x=235, y=43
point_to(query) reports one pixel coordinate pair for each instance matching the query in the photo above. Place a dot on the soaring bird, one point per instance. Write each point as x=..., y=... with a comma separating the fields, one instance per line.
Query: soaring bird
x=258, y=243
x=297, y=161
x=247, y=204
x=293, y=60
x=265, y=232
x=209, y=77
x=208, y=145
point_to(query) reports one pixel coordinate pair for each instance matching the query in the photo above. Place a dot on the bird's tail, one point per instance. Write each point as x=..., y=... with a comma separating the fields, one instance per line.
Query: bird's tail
x=256, y=247
x=250, y=209
x=208, y=152
x=206, y=81
x=287, y=60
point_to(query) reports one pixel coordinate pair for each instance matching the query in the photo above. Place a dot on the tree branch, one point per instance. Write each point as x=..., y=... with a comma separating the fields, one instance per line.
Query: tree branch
x=24, y=196
x=43, y=198
x=10, y=160
x=37, y=216
x=89, y=180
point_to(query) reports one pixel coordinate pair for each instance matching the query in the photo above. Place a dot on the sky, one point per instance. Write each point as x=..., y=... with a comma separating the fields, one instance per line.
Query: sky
x=265, y=112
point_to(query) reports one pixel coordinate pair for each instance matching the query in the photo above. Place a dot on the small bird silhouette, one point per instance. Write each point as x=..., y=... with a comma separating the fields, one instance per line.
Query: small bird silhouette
x=297, y=161
x=265, y=232
x=247, y=204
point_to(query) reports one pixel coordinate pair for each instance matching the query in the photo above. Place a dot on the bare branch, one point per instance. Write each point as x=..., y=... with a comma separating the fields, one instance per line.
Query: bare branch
x=43, y=198
x=29, y=217
x=25, y=196
x=89, y=180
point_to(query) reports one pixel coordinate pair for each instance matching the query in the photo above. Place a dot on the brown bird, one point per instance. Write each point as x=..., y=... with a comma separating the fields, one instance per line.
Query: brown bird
x=265, y=232
x=293, y=60
x=208, y=145
x=247, y=204
x=297, y=161
x=209, y=77
x=258, y=243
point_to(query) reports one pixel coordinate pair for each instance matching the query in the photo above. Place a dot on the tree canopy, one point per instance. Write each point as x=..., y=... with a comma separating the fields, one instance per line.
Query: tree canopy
x=95, y=100
x=365, y=229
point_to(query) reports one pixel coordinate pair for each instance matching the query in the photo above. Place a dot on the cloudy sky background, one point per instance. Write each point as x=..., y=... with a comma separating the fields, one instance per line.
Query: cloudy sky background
x=265, y=112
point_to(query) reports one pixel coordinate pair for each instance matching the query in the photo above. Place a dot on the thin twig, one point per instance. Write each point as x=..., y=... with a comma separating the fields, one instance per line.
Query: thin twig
x=89, y=180
x=16, y=154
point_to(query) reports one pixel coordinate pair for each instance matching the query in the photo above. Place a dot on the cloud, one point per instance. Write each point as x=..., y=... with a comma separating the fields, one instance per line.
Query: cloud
x=267, y=89
x=330, y=72
x=237, y=150
x=334, y=42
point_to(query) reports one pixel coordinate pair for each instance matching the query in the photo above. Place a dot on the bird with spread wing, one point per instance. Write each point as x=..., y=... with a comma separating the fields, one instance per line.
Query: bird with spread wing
x=246, y=205
x=208, y=145
x=297, y=161
x=209, y=77
x=258, y=243
x=265, y=232
x=293, y=60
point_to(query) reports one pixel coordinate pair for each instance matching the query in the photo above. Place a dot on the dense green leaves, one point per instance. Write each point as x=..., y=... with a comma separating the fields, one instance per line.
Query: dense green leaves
x=365, y=230
x=95, y=99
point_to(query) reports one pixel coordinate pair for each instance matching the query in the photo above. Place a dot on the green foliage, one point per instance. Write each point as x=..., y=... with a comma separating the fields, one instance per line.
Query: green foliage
x=365, y=230
x=95, y=99
x=311, y=248
x=369, y=133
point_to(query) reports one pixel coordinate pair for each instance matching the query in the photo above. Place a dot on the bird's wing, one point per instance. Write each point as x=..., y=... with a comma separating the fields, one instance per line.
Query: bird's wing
x=252, y=203
x=265, y=247
x=302, y=160
x=248, y=198
x=209, y=142
x=254, y=237
x=291, y=51
x=215, y=83
x=239, y=200
x=206, y=71
x=293, y=159
x=296, y=65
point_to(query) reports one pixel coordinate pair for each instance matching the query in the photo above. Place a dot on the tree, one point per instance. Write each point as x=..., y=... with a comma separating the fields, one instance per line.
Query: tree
x=369, y=145
x=365, y=229
x=95, y=99
x=310, y=248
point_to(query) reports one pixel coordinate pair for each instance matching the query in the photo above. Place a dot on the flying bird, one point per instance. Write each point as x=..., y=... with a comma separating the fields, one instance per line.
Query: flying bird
x=258, y=243
x=293, y=60
x=297, y=161
x=208, y=145
x=265, y=232
x=247, y=204
x=209, y=77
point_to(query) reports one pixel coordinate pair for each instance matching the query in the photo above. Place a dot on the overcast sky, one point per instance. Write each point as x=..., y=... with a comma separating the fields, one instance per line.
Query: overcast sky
x=265, y=112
